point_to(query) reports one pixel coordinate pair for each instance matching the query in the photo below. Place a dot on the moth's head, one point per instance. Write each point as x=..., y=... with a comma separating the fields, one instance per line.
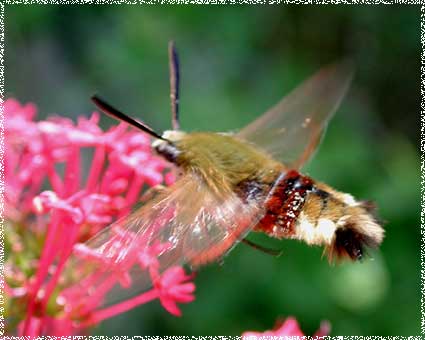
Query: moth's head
x=356, y=231
x=166, y=146
x=165, y=143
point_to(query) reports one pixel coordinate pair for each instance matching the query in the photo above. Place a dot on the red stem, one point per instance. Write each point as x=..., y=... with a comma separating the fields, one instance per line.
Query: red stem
x=119, y=308
x=134, y=190
x=47, y=256
x=67, y=242
x=55, y=180
x=96, y=168
x=72, y=172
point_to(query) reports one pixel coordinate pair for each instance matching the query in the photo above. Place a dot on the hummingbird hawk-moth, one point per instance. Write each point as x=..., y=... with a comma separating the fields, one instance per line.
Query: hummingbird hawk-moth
x=230, y=184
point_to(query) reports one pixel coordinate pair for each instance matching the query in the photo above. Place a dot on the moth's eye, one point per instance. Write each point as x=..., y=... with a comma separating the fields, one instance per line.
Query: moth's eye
x=167, y=150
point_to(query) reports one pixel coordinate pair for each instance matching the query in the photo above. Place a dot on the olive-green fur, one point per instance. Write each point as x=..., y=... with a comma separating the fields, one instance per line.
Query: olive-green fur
x=223, y=160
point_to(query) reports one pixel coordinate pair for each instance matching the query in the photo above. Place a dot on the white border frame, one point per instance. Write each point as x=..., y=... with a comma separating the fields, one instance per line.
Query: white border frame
x=205, y=2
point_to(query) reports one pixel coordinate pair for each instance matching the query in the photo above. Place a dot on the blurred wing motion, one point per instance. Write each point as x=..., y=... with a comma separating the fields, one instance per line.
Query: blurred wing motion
x=184, y=224
x=292, y=129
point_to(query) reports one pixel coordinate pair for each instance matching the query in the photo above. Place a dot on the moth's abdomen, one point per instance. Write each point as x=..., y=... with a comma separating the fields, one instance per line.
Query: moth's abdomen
x=284, y=204
x=300, y=208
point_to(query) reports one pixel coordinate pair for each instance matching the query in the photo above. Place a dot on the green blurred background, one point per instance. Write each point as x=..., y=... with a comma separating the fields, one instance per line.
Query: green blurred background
x=236, y=62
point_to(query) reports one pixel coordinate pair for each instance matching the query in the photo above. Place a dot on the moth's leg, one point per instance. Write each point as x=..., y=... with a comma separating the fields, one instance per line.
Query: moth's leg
x=268, y=251
x=273, y=252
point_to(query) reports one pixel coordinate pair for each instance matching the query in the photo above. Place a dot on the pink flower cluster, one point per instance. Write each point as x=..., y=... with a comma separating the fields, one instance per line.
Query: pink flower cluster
x=287, y=328
x=51, y=207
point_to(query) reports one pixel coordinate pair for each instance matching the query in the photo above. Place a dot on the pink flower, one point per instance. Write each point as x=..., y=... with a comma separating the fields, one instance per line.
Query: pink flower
x=174, y=287
x=171, y=288
x=289, y=327
x=52, y=208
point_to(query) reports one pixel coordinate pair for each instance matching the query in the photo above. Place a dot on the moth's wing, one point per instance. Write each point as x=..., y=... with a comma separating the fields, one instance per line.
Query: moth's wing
x=184, y=224
x=292, y=129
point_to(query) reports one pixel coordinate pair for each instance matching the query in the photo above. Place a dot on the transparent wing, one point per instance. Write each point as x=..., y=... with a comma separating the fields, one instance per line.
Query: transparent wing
x=291, y=130
x=184, y=224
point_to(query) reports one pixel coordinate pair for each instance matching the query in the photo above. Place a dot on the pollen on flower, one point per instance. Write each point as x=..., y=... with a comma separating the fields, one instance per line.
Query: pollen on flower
x=52, y=207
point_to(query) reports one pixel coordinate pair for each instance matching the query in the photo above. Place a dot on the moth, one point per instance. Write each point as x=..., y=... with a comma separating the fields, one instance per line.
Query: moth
x=230, y=184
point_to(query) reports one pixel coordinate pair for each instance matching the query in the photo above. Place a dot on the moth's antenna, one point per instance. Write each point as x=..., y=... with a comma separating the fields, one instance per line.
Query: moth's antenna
x=111, y=111
x=174, y=84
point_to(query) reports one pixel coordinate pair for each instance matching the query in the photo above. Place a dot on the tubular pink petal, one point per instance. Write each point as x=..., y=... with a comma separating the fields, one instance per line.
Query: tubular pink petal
x=152, y=177
x=170, y=306
x=13, y=107
x=173, y=290
x=58, y=326
x=72, y=172
x=49, y=200
x=82, y=138
x=46, y=259
x=96, y=168
x=55, y=180
x=118, y=186
x=289, y=327
x=66, y=251
x=119, y=308
x=183, y=290
x=30, y=327
x=134, y=191
x=324, y=329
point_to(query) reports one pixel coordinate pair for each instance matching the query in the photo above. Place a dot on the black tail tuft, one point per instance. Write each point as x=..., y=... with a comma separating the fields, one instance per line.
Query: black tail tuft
x=351, y=242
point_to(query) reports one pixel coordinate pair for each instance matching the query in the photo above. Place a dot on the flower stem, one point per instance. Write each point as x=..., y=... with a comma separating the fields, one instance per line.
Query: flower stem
x=119, y=308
